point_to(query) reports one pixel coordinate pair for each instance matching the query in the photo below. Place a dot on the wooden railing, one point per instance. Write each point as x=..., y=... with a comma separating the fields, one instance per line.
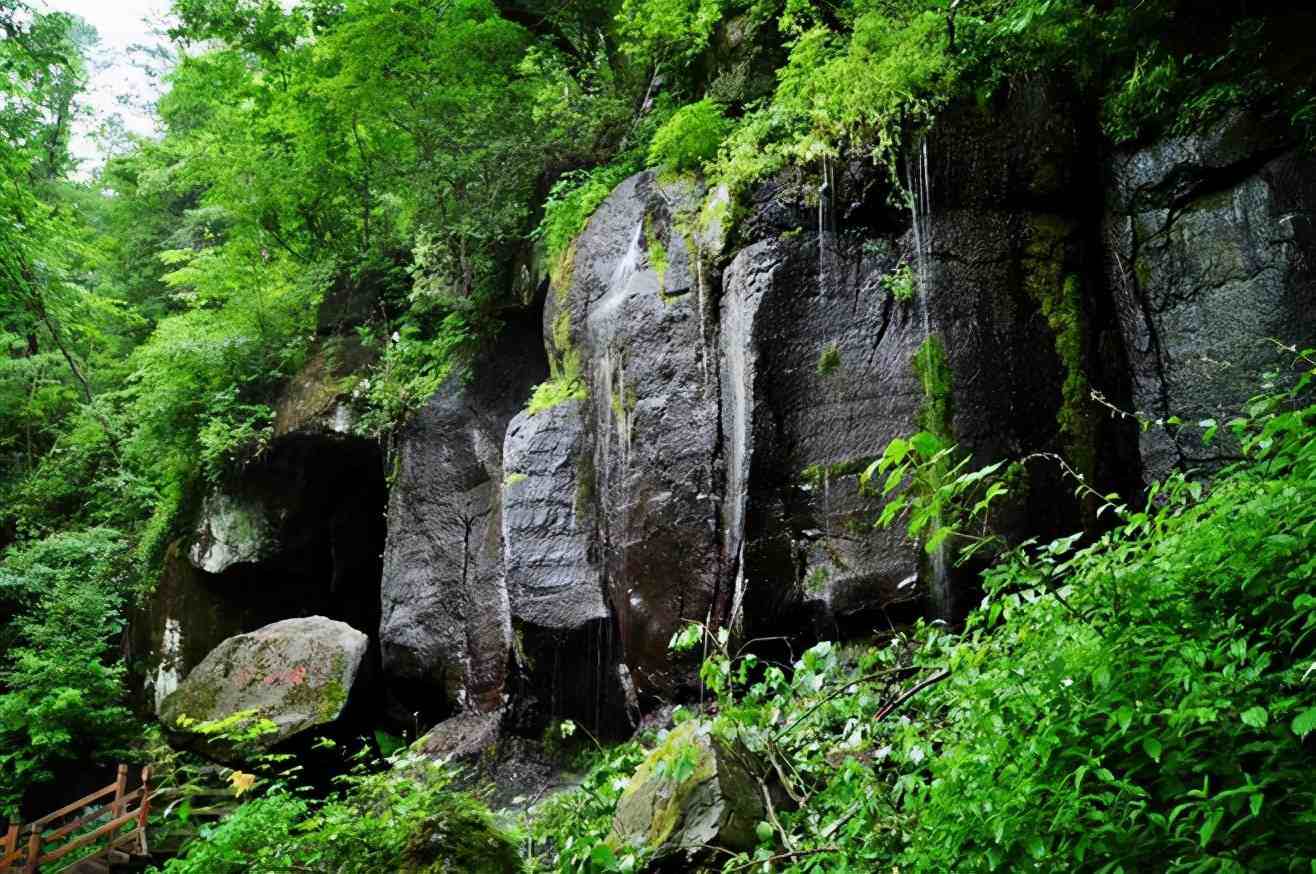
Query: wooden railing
x=26, y=848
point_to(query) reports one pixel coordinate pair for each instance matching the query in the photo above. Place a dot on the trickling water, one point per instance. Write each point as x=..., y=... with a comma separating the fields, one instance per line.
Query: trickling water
x=920, y=187
x=824, y=240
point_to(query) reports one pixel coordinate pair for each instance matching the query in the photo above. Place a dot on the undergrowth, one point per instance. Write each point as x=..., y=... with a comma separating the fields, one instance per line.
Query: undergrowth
x=1148, y=694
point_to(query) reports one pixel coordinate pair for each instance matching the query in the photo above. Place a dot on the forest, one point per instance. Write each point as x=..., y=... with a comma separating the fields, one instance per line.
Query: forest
x=668, y=435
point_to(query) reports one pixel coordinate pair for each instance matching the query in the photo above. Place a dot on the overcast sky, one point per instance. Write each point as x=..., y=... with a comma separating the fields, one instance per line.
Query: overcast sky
x=122, y=24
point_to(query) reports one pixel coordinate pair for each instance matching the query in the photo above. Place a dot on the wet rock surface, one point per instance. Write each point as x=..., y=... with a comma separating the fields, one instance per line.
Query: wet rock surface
x=1209, y=247
x=445, y=630
x=638, y=308
x=816, y=378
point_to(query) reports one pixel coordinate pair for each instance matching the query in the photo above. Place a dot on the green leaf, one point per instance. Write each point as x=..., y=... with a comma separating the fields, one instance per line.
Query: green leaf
x=1305, y=723
x=1209, y=827
x=1257, y=717
x=1152, y=747
x=603, y=856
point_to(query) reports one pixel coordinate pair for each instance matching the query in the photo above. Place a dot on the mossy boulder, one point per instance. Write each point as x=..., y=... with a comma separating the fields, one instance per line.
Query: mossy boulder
x=297, y=674
x=691, y=793
x=462, y=837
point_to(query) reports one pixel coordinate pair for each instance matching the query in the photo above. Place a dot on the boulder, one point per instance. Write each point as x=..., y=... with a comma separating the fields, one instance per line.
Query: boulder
x=714, y=803
x=1209, y=254
x=233, y=528
x=297, y=673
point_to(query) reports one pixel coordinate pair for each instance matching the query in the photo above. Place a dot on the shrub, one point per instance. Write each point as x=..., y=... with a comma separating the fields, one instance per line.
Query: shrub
x=63, y=698
x=690, y=138
x=405, y=819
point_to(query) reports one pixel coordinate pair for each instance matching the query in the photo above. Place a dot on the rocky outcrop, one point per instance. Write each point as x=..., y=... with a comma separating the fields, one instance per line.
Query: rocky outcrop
x=722, y=374
x=637, y=312
x=1210, y=244
x=446, y=627
x=298, y=674
x=690, y=794
x=816, y=356
x=548, y=521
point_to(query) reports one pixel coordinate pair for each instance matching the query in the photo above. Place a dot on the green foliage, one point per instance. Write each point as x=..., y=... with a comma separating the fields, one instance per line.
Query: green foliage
x=571, y=828
x=405, y=819
x=668, y=32
x=900, y=283
x=565, y=385
x=829, y=360
x=60, y=690
x=690, y=138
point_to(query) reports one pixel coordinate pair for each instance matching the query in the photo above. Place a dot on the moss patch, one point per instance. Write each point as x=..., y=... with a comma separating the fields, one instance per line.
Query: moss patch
x=668, y=797
x=1059, y=296
x=829, y=360
x=934, y=374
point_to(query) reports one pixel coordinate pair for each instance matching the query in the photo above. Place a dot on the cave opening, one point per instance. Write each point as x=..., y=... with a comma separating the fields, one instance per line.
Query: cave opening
x=321, y=499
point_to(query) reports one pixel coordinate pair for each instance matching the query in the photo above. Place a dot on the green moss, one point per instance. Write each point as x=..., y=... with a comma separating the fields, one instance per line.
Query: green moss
x=934, y=373
x=561, y=335
x=670, y=801
x=657, y=254
x=333, y=696
x=623, y=405
x=816, y=474
x=584, y=483
x=1059, y=296
x=512, y=479
x=829, y=360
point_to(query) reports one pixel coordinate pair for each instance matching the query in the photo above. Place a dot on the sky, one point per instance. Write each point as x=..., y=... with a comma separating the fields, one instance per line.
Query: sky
x=121, y=24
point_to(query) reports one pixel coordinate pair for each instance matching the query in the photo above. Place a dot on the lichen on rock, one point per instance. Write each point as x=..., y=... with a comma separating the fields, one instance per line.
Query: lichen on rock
x=691, y=793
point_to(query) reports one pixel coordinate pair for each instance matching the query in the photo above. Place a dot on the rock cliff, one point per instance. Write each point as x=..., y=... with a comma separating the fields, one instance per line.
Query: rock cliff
x=731, y=364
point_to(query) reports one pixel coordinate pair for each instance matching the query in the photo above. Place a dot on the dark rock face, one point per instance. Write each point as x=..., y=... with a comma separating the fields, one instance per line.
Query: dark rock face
x=1210, y=241
x=446, y=623
x=536, y=566
x=639, y=315
x=547, y=522
x=816, y=379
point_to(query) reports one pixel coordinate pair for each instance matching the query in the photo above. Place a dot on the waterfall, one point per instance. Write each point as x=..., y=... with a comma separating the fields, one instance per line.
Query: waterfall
x=824, y=242
x=920, y=190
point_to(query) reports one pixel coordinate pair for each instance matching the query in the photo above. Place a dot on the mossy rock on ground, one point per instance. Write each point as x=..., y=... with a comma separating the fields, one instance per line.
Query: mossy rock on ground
x=690, y=793
x=462, y=838
x=297, y=673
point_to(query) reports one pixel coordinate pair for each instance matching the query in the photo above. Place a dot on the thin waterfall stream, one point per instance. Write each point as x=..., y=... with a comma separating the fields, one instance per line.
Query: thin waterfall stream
x=920, y=187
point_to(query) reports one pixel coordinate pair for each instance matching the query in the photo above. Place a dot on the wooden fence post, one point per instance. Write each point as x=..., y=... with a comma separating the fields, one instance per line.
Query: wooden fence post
x=144, y=810
x=33, y=851
x=11, y=837
x=120, y=786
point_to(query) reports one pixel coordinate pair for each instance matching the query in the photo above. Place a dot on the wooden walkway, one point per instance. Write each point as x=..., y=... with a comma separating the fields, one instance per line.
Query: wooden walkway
x=105, y=820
